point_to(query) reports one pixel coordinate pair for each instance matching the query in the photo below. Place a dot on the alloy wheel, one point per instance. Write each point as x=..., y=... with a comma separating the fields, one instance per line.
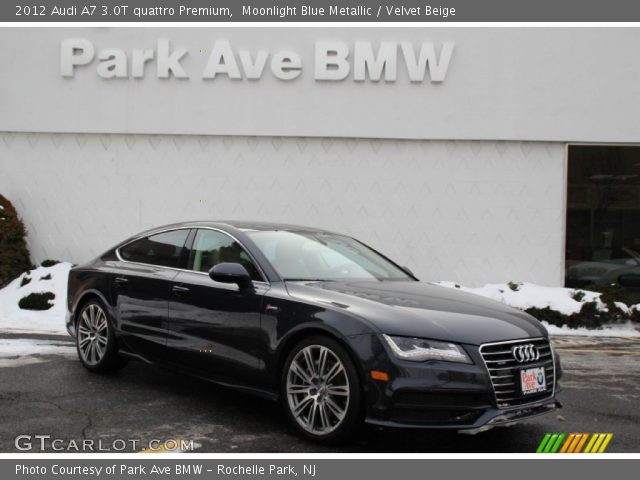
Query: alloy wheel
x=317, y=389
x=93, y=334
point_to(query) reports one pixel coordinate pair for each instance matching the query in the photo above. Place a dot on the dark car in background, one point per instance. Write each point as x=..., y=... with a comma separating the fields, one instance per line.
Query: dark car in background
x=607, y=266
x=334, y=330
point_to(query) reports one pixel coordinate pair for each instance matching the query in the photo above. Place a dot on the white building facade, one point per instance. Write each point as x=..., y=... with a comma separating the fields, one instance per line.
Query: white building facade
x=445, y=148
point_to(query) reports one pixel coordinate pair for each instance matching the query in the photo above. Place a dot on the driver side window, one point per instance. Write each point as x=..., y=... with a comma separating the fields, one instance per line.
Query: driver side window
x=211, y=247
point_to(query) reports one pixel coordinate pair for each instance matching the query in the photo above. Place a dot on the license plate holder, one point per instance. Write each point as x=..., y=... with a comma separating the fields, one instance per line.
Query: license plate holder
x=532, y=380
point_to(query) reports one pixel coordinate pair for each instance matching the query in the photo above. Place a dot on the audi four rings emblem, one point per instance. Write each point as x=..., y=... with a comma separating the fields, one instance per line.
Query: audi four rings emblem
x=525, y=353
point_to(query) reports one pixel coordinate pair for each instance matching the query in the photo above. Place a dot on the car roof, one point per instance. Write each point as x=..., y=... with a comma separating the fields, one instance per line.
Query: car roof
x=269, y=226
x=240, y=225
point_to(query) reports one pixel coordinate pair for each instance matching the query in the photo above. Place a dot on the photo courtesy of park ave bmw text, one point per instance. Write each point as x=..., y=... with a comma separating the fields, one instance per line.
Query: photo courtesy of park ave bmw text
x=345, y=239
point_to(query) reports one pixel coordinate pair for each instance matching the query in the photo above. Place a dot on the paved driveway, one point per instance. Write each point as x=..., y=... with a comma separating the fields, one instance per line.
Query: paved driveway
x=51, y=394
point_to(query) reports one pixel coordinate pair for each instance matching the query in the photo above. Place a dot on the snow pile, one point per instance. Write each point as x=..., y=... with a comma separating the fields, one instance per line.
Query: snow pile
x=13, y=318
x=530, y=295
x=622, y=330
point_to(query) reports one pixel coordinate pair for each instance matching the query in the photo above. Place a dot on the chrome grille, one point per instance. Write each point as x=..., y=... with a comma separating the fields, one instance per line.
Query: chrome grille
x=504, y=370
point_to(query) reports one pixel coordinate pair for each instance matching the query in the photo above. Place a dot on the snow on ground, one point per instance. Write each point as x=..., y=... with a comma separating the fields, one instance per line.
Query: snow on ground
x=13, y=318
x=16, y=352
x=530, y=295
x=14, y=347
x=622, y=330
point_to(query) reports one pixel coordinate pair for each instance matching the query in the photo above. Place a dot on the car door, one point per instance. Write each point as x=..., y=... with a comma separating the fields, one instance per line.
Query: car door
x=214, y=328
x=141, y=289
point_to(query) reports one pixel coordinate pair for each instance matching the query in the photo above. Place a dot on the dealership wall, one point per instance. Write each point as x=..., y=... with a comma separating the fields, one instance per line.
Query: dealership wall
x=535, y=84
x=460, y=179
x=468, y=211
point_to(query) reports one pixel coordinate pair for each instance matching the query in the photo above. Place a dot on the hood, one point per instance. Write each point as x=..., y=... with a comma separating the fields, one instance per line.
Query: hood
x=418, y=309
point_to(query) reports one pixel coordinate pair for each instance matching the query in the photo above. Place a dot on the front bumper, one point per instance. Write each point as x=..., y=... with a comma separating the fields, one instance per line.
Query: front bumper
x=472, y=421
x=442, y=395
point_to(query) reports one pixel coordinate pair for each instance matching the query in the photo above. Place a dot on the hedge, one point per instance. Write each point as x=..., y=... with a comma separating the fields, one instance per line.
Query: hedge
x=14, y=254
x=37, y=301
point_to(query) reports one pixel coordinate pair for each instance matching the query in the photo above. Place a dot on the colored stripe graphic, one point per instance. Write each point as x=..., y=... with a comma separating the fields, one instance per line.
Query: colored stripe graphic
x=574, y=442
x=555, y=448
x=567, y=443
x=598, y=445
x=543, y=443
x=581, y=443
x=573, y=445
x=551, y=442
x=594, y=437
x=605, y=442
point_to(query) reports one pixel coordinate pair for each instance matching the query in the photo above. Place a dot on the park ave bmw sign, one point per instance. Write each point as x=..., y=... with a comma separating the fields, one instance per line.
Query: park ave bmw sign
x=333, y=61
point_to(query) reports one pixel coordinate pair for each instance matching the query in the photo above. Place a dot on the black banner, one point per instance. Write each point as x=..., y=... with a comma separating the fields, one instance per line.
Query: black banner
x=319, y=11
x=188, y=467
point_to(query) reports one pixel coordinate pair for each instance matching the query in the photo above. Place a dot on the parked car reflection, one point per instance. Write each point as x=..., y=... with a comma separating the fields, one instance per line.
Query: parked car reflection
x=610, y=265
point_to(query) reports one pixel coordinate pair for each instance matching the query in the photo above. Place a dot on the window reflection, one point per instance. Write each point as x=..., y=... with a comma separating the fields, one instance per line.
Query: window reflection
x=603, y=216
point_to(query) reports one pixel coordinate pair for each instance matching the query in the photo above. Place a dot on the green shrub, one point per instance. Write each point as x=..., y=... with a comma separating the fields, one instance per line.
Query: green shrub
x=589, y=316
x=578, y=295
x=552, y=317
x=514, y=286
x=26, y=280
x=49, y=263
x=37, y=301
x=614, y=293
x=14, y=254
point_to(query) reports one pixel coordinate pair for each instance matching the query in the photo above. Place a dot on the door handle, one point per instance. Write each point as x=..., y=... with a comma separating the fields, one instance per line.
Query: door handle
x=120, y=280
x=178, y=289
x=271, y=308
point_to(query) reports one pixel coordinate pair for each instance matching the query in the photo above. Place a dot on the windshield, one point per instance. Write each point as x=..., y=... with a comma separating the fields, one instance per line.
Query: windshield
x=323, y=256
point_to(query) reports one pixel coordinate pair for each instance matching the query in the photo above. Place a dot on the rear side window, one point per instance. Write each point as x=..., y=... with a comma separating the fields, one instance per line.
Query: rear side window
x=163, y=249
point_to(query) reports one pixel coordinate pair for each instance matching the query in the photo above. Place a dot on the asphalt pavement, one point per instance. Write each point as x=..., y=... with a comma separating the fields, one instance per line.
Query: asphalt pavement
x=52, y=395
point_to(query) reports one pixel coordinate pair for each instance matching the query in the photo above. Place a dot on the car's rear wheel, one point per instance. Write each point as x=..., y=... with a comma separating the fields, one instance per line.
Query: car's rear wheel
x=321, y=390
x=95, y=339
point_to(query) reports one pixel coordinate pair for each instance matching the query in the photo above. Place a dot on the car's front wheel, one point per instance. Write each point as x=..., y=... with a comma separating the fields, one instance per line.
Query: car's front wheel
x=321, y=390
x=95, y=339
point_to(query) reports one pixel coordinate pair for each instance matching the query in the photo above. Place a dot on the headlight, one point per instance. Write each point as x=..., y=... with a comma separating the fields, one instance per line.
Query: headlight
x=420, y=350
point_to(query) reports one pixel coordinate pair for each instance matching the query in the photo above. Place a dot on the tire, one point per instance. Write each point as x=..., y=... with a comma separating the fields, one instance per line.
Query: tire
x=95, y=339
x=323, y=402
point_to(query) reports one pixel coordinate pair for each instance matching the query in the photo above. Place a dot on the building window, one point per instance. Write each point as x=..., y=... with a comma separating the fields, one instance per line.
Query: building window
x=603, y=216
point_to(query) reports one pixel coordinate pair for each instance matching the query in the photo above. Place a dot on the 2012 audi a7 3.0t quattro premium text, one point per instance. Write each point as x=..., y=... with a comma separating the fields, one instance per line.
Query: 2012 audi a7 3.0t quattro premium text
x=330, y=327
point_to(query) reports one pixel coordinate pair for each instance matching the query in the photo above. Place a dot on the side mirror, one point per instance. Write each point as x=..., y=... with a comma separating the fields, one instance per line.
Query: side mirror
x=231, y=273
